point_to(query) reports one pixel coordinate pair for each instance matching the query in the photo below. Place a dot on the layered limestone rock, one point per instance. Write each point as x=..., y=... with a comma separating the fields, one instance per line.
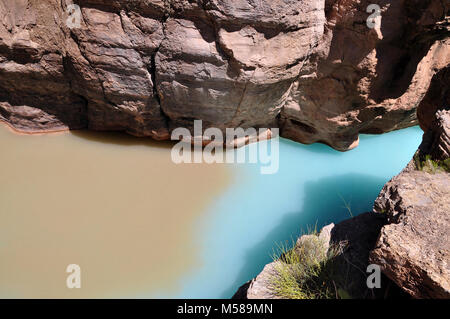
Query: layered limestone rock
x=312, y=68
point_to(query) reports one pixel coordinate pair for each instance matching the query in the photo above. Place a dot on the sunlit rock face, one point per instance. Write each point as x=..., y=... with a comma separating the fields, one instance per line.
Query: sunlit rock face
x=413, y=247
x=313, y=68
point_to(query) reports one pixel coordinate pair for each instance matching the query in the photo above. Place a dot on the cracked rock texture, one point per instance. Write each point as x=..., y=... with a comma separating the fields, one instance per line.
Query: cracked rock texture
x=311, y=67
x=413, y=249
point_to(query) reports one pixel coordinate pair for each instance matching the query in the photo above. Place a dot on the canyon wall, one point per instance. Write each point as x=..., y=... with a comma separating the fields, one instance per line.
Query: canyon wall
x=313, y=68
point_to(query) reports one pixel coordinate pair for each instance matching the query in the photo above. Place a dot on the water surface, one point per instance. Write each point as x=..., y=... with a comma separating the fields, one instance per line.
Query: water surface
x=314, y=186
x=140, y=226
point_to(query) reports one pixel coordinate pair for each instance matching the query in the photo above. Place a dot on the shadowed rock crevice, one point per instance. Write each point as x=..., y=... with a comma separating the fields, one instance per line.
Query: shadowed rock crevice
x=403, y=51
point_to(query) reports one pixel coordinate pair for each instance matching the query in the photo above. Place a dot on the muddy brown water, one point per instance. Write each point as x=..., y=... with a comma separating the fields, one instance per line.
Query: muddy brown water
x=115, y=205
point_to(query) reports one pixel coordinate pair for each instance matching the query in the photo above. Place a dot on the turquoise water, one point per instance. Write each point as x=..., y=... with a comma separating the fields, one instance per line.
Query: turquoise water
x=313, y=186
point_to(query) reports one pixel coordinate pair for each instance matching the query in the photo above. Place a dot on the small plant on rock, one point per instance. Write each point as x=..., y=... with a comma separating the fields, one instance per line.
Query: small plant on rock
x=307, y=270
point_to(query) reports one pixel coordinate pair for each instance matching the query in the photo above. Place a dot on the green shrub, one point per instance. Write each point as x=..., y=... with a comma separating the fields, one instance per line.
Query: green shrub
x=307, y=271
x=427, y=164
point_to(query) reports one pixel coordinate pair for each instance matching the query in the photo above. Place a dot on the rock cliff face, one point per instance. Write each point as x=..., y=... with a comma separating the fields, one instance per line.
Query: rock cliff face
x=312, y=68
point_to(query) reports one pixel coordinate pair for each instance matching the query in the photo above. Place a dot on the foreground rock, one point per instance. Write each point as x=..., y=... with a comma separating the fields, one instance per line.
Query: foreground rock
x=414, y=247
x=312, y=68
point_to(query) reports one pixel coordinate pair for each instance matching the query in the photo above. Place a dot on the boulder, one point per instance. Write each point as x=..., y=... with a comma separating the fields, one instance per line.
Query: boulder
x=413, y=249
